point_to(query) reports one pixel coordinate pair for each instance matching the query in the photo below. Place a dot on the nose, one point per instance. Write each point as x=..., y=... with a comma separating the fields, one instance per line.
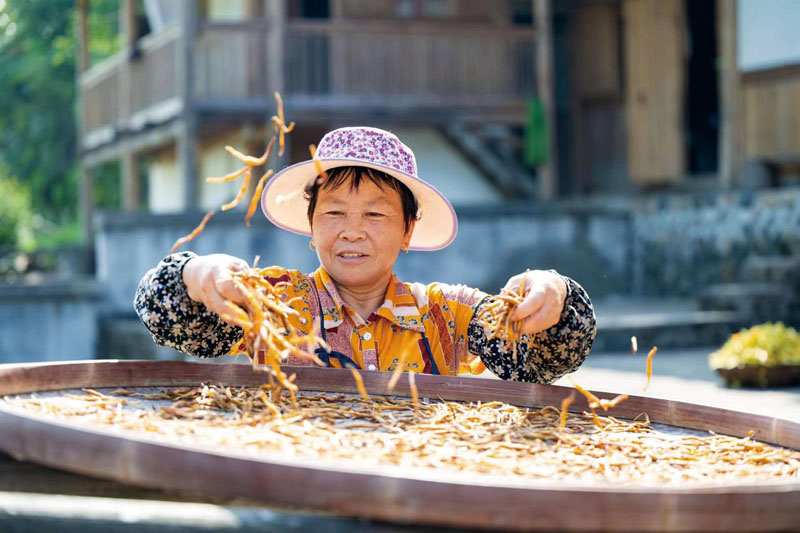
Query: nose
x=353, y=228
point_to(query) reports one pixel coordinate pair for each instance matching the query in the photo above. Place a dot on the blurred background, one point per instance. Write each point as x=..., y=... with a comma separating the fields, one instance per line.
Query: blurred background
x=650, y=149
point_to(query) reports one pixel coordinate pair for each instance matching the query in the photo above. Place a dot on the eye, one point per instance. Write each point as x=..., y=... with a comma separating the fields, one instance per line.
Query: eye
x=334, y=213
x=375, y=214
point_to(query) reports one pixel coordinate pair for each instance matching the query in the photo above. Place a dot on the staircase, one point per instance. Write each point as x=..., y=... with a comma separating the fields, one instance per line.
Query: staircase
x=494, y=149
x=768, y=290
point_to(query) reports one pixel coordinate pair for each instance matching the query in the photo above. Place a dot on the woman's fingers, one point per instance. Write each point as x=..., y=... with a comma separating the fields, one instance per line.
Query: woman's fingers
x=532, y=302
x=226, y=288
x=545, y=317
x=214, y=301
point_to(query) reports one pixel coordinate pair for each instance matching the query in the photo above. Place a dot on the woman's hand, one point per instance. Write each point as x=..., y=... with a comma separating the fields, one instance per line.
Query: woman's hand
x=208, y=281
x=543, y=301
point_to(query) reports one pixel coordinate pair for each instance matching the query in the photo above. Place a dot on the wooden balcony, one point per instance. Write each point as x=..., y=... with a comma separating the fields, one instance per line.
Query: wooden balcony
x=411, y=71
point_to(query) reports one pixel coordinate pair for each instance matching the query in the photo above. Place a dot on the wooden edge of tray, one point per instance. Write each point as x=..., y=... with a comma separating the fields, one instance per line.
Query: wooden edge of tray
x=384, y=495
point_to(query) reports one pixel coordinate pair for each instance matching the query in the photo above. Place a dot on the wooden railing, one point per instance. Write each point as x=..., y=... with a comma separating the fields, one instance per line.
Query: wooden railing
x=407, y=63
x=100, y=95
x=151, y=81
x=451, y=63
x=154, y=76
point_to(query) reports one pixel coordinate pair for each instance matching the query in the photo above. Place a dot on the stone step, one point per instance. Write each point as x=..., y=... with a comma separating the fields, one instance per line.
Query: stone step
x=783, y=269
x=663, y=324
x=758, y=302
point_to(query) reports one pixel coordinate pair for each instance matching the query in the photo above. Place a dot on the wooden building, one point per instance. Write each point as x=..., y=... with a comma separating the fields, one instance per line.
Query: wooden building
x=636, y=94
x=680, y=94
x=196, y=75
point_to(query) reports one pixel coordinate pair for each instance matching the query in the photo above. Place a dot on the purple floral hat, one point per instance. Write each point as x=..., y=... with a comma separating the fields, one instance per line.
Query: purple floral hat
x=366, y=147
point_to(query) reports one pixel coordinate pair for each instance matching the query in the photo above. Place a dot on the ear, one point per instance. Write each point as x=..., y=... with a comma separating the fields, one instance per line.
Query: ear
x=409, y=233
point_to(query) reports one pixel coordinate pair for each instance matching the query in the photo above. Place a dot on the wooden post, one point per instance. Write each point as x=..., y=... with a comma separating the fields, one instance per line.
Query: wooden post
x=187, y=137
x=129, y=178
x=130, y=181
x=85, y=184
x=547, y=172
x=83, y=36
x=86, y=202
x=276, y=16
x=729, y=92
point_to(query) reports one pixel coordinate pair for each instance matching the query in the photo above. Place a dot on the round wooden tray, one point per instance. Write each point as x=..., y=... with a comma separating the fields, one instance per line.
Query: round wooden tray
x=422, y=498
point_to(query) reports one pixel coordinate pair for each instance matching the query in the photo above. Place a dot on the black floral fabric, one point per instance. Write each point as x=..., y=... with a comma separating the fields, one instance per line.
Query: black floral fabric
x=547, y=355
x=174, y=319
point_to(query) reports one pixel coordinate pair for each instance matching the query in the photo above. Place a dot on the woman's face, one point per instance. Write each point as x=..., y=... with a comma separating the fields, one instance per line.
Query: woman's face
x=359, y=232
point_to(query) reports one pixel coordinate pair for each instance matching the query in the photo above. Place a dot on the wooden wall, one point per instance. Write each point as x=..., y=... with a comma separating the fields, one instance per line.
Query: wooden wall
x=597, y=103
x=771, y=113
x=655, y=89
x=474, y=11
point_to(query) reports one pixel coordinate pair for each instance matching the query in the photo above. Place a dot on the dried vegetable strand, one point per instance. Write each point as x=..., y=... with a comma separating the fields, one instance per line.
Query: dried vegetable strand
x=250, y=160
x=496, y=318
x=279, y=123
x=228, y=177
x=241, y=193
x=194, y=233
x=321, y=175
x=269, y=339
x=650, y=366
x=565, y=403
x=398, y=369
x=491, y=438
x=412, y=386
x=257, y=196
x=246, y=171
x=359, y=383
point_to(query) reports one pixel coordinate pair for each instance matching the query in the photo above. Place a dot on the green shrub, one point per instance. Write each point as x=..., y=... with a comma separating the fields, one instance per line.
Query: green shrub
x=16, y=216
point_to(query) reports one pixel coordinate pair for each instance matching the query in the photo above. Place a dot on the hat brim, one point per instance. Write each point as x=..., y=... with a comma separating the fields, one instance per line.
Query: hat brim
x=436, y=228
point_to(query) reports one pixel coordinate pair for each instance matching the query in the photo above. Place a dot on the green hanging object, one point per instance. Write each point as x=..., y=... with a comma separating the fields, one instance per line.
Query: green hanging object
x=536, y=139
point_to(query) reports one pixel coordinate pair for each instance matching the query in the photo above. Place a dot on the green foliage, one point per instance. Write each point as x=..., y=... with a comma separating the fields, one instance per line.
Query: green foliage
x=107, y=193
x=16, y=216
x=53, y=236
x=37, y=96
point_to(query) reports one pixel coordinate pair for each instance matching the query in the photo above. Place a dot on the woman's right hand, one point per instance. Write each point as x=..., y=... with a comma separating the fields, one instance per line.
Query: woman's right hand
x=208, y=281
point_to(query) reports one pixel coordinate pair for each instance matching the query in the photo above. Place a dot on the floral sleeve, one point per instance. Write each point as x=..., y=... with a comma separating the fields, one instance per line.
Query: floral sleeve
x=548, y=355
x=174, y=319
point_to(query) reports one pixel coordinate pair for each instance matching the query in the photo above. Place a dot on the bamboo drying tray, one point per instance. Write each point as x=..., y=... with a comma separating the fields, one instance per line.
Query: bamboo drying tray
x=408, y=496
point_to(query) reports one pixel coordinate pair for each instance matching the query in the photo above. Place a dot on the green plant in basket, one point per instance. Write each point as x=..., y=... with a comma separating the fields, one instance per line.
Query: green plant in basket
x=764, y=355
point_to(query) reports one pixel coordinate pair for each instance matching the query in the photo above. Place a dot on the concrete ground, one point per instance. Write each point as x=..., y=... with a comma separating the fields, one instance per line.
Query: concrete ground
x=682, y=375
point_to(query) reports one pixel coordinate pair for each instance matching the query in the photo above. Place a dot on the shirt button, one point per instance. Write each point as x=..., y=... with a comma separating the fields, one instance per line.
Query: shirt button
x=367, y=336
x=371, y=367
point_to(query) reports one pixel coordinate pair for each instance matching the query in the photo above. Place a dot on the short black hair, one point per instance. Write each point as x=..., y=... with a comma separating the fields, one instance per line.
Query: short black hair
x=355, y=175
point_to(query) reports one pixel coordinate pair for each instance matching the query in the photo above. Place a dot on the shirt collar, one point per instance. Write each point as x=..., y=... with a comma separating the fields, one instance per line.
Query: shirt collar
x=399, y=306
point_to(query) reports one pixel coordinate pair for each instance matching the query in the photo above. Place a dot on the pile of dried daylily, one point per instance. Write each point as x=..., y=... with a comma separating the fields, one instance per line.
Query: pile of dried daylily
x=490, y=438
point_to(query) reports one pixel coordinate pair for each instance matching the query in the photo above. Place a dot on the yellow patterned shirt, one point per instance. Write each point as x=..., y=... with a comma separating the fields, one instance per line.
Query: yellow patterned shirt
x=413, y=323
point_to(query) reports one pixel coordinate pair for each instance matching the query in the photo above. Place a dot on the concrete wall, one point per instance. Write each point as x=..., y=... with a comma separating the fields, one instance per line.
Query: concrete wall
x=52, y=321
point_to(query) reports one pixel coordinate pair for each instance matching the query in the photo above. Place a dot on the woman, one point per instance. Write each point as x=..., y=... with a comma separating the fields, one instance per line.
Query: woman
x=367, y=207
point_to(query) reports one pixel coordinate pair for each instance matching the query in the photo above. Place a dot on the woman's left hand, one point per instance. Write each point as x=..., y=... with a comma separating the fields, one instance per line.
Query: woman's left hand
x=543, y=301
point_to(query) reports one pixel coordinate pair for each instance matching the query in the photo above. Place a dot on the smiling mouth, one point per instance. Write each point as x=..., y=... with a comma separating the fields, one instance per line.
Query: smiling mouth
x=351, y=255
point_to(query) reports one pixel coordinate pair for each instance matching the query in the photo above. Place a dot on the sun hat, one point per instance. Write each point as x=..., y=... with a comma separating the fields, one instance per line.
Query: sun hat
x=365, y=147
